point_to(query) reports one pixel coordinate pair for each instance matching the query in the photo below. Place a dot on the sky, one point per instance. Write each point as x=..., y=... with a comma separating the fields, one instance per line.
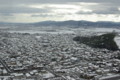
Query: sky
x=29, y=11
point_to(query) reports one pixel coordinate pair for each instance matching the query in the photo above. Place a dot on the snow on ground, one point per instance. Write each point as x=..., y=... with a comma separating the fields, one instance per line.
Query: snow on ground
x=117, y=40
x=43, y=32
x=95, y=31
x=110, y=77
x=81, y=31
x=98, y=29
x=48, y=75
x=59, y=54
x=38, y=37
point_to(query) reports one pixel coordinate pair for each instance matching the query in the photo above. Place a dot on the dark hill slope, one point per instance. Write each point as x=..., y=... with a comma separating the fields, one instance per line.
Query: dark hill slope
x=102, y=41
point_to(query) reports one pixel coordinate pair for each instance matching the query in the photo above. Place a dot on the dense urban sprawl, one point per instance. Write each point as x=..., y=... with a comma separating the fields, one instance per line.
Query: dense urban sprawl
x=25, y=56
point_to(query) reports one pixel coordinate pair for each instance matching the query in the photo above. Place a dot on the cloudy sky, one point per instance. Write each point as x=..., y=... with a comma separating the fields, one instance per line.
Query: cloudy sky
x=25, y=11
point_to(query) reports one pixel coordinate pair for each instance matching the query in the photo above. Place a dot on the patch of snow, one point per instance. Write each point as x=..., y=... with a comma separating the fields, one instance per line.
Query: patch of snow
x=117, y=40
x=69, y=78
x=48, y=75
x=73, y=58
x=38, y=37
x=109, y=77
x=43, y=32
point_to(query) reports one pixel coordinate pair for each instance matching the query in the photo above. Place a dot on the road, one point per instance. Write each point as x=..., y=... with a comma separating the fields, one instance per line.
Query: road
x=5, y=65
x=113, y=77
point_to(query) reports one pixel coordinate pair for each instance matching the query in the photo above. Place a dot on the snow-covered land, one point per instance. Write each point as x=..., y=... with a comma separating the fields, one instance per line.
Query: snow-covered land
x=53, y=55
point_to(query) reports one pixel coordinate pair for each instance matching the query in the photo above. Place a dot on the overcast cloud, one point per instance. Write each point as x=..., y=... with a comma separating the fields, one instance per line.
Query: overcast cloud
x=59, y=10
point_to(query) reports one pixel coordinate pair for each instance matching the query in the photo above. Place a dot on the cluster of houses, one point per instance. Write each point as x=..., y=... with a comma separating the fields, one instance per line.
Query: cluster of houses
x=53, y=57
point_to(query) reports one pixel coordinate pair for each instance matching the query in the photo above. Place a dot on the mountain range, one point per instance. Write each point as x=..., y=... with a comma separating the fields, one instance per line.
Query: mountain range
x=69, y=23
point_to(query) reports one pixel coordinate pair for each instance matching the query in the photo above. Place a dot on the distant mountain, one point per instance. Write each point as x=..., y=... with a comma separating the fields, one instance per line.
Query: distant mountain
x=72, y=23
x=69, y=23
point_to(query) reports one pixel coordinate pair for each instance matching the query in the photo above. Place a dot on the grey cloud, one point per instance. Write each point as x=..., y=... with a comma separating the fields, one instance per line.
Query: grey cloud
x=17, y=9
x=11, y=7
x=81, y=12
x=45, y=1
x=105, y=8
x=6, y=14
x=10, y=2
x=107, y=11
x=47, y=15
x=42, y=15
x=111, y=10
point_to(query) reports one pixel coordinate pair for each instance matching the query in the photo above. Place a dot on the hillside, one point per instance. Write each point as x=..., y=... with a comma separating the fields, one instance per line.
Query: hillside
x=102, y=41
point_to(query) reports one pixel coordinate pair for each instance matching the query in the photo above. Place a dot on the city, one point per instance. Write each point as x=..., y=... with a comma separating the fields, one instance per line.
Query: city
x=45, y=56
